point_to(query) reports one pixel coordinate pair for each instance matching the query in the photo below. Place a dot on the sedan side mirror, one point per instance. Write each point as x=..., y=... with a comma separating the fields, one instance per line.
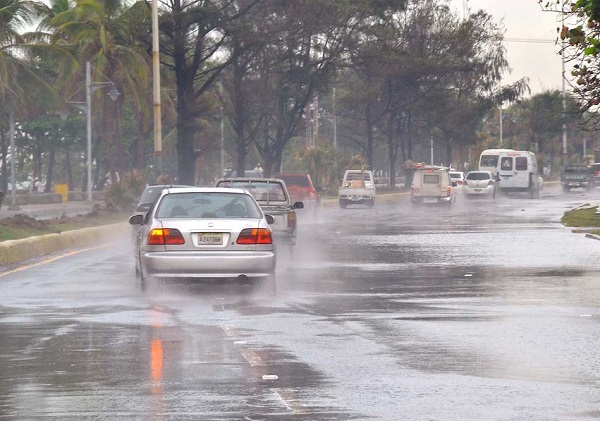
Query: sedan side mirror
x=136, y=219
x=270, y=219
x=298, y=205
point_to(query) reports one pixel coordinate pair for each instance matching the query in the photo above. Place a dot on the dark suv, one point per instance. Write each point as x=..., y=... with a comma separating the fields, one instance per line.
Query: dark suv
x=577, y=176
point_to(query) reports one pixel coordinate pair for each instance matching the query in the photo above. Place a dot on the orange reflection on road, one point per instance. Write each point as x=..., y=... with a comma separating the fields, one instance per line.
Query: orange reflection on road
x=156, y=360
x=156, y=354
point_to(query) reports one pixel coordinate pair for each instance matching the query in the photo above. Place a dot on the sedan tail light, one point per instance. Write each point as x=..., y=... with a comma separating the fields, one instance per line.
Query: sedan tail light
x=312, y=195
x=165, y=237
x=449, y=191
x=255, y=236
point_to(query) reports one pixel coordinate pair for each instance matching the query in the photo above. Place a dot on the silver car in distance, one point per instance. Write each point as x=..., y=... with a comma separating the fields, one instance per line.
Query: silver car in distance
x=210, y=233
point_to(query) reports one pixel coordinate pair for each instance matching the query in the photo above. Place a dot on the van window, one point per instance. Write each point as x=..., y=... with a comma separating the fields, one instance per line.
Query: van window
x=521, y=163
x=488, y=161
x=506, y=163
x=431, y=178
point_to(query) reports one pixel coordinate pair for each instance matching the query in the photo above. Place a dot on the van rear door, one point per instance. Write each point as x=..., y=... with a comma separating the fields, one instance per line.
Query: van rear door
x=514, y=170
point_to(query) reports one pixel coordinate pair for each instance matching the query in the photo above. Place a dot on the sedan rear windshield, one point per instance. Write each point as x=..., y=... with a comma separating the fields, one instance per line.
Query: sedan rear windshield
x=207, y=205
x=478, y=176
x=263, y=191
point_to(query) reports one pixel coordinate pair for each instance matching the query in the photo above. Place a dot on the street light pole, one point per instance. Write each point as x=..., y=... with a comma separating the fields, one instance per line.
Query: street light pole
x=13, y=158
x=88, y=104
x=87, y=108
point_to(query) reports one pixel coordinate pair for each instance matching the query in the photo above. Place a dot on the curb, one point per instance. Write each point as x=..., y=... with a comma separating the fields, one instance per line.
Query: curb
x=593, y=236
x=15, y=251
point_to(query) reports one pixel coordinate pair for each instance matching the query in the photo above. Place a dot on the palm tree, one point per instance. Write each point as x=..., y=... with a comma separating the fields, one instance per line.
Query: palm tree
x=107, y=34
x=24, y=89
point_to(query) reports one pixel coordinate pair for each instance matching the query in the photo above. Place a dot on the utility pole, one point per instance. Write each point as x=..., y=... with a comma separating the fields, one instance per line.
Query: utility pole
x=431, y=149
x=156, y=88
x=222, y=172
x=501, y=126
x=564, y=96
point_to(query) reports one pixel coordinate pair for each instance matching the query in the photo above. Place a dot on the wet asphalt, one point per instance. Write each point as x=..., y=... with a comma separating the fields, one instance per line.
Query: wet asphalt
x=486, y=311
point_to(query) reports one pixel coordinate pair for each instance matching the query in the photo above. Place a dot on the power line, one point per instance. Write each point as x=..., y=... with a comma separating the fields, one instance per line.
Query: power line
x=531, y=40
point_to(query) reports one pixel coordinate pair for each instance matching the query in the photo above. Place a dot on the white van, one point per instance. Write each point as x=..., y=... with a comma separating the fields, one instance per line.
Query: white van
x=432, y=185
x=518, y=172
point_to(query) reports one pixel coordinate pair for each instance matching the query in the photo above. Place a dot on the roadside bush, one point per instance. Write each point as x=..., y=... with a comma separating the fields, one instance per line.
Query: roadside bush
x=124, y=194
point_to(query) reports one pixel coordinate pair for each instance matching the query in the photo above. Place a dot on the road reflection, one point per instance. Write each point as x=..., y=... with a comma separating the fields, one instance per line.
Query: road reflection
x=156, y=366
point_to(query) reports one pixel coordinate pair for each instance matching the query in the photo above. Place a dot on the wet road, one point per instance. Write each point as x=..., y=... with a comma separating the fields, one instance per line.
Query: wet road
x=487, y=311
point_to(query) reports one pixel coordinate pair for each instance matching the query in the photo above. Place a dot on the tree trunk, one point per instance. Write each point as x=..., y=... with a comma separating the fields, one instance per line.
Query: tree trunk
x=448, y=162
x=392, y=149
x=4, y=161
x=70, y=180
x=186, y=155
x=369, y=149
x=119, y=139
x=50, y=173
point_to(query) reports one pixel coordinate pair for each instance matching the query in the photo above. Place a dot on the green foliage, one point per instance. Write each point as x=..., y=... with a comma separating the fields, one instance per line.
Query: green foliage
x=582, y=217
x=583, y=47
x=124, y=194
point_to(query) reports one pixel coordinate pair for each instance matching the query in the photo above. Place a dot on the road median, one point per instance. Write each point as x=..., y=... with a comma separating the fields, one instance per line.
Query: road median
x=15, y=251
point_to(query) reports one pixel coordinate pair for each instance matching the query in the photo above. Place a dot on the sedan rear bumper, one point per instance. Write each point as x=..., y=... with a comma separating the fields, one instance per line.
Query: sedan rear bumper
x=478, y=191
x=195, y=264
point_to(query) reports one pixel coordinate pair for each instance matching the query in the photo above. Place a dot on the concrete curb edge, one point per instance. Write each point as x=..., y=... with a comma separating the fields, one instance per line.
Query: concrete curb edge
x=14, y=251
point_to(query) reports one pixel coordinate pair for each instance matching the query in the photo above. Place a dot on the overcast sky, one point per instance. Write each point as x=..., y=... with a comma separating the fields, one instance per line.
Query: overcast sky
x=530, y=40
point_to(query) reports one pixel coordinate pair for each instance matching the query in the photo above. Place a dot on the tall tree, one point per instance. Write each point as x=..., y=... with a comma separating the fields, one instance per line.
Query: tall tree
x=194, y=35
x=582, y=36
x=21, y=82
x=315, y=38
x=101, y=33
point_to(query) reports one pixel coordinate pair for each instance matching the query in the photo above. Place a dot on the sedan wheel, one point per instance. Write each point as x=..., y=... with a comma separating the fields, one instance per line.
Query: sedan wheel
x=141, y=280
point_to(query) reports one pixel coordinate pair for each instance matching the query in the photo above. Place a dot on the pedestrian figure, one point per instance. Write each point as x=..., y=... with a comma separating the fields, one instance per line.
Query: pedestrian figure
x=36, y=186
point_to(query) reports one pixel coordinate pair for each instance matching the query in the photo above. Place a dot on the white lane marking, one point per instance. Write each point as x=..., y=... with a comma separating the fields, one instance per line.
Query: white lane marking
x=229, y=330
x=252, y=357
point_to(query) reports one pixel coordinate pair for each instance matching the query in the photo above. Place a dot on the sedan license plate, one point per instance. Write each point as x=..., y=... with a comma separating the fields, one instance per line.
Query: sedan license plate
x=429, y=200
x=210, y=238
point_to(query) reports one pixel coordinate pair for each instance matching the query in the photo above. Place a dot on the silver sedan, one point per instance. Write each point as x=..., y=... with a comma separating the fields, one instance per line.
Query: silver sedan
x=210, y=233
